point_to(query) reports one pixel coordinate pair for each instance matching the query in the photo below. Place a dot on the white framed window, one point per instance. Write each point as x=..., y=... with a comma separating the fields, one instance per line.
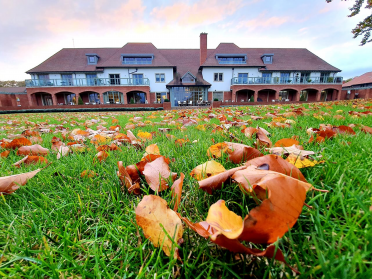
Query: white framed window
x=159, y=77
x=114, y=78
x=218, y=76
x=218, y=95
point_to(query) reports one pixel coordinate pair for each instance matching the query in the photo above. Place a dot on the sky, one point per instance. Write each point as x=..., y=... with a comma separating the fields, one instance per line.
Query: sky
x=33, y=30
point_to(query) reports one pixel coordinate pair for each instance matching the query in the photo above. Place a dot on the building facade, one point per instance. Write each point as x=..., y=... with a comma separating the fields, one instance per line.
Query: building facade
x=359, y=87
x=140, y=73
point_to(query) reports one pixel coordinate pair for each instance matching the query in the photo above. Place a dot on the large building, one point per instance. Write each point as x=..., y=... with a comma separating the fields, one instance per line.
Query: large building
x=142, y=73
x=358, y=87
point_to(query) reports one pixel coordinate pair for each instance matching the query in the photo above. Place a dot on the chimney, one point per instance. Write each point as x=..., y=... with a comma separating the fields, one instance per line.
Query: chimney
x=203, y=47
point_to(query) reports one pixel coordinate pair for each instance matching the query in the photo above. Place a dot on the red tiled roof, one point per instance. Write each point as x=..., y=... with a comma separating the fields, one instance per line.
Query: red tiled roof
x=73, y=60
x=284, y=59
x=186, y=60
x=365, y=78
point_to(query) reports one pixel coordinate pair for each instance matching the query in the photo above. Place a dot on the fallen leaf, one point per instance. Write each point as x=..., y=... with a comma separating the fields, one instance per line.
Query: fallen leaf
x=289, y=150
x=16, y=143
x=126, y=180
x=30, y=160
x=286, y=143
x=155, y=174
x=177, y=191
x=33, y=150
x=207, y=169
x=262, y=139
x=4, y=154
x=88, y=173
x=239, y=153
x=9, y=184
x=101, y=156
x=153, y=215
x=301, y=162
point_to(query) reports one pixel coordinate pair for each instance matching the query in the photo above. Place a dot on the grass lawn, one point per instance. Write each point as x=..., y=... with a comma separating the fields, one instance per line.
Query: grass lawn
x=60, y=225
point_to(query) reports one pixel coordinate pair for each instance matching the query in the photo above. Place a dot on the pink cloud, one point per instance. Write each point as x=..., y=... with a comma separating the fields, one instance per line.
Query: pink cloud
x=261, y=22
x=201, y=12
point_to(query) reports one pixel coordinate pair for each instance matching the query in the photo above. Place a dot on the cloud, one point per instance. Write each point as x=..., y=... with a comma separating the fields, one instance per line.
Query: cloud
x=201, y=12
x=262, y=22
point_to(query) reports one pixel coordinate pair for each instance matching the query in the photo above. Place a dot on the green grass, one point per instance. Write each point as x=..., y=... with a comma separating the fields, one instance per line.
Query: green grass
x=62, y=226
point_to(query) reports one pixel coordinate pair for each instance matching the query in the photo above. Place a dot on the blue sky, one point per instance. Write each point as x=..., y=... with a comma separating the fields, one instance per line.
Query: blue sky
x=33, y=30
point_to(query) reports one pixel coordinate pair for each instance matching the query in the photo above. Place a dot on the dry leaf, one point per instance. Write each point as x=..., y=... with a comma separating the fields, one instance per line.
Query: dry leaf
x=289, y=150
x=155, y=174
x=9, y=184
x=33, y=150
x=177, y=191
x=152, y=215
x=30, y=160
x=207, y=169
x=301, y=162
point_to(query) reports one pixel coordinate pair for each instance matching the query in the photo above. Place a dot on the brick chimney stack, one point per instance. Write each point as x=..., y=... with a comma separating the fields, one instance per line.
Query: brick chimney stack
x=203, y=47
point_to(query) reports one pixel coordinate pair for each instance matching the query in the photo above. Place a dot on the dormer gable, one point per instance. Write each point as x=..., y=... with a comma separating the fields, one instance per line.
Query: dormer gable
x=267, y=58
x=92, y=58
x=188, y=78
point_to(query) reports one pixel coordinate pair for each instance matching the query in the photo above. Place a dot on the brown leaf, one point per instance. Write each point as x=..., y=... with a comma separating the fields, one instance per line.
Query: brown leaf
x=9, y=184
x=207, y=169
x=205, y=230
x=283, y=198
x=155, y=174
x=343, y=130
x=215, y=182
x=177, y=191
x=366, y=129
x=262, y=139
x=286, y=143
x=33, y=150
x=239, y=153
x=16, y=143
x=101, y=156
x=277, y=164
x=88, y=173
x=249, y=132
x=4, y=154
x=152, y=215
x=126, y=180
x=62, y=151
x=301, y=162
x=30, y=160
x=294, y=149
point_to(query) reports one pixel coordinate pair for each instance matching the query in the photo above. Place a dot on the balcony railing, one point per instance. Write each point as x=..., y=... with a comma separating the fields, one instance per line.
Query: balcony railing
x=87, y=82
x=286, y=80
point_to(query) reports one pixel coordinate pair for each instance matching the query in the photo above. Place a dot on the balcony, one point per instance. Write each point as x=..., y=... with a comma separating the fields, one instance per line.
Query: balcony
x=87, y=82
x=286, y=80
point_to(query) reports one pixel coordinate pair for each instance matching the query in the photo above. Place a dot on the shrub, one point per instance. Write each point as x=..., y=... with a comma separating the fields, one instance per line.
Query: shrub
x=166, y=100
x=80, y=101
x=215, y=99
x=251, y=99
x=131, y=101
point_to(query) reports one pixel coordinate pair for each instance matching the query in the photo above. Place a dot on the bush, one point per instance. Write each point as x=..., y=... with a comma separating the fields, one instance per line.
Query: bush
x=131, y=101
x=80, y=101
x=166, y=100
x=215, y=99
x=251, y=99
x=302, y=98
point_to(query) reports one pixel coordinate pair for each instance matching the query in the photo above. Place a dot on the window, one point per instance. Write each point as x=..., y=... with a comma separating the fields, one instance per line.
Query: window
x=284, y=78
x=160, y=96
x=93, y=98
x=145, y=60
x=113, y=97
x=243, y=78
x=218, y=95
x=67, y=80
x=92, y=58
x=324, y=77
x=283, y=95
x=114, y=78
x=91, y=79
x=218, y=77
x=227, y=59
x=266, y=78
x=159, y=77
x=305, y=77
x=137, y=79
x=44, y=80
x=187, y=94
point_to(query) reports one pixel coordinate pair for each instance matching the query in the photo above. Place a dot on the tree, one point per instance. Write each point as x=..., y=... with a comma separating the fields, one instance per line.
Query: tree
x=12, y=83
x=364, y=27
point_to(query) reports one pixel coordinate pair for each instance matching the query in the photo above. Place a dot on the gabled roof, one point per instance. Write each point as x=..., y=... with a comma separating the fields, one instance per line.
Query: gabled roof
x=284, y=59
x=188, y=73
x=73, y=60
x=12, y=90
x=363, y=79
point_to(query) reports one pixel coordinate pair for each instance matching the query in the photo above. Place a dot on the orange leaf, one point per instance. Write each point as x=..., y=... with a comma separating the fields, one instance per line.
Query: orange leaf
x=16, y=143
x=4, y=154
x=88, y=173
x=262, y=139
x=286, y=143
x=152, y=215
x=101, y=156
x=239, y=153
x=33, y=150
x=127, y=181
x=30, y=160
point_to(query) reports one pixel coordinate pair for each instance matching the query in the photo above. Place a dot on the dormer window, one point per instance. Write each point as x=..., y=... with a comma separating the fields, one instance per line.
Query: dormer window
x=188, y=78
x=137, y=59
x=231, y=58
x=92, y=58
x=267, y=58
